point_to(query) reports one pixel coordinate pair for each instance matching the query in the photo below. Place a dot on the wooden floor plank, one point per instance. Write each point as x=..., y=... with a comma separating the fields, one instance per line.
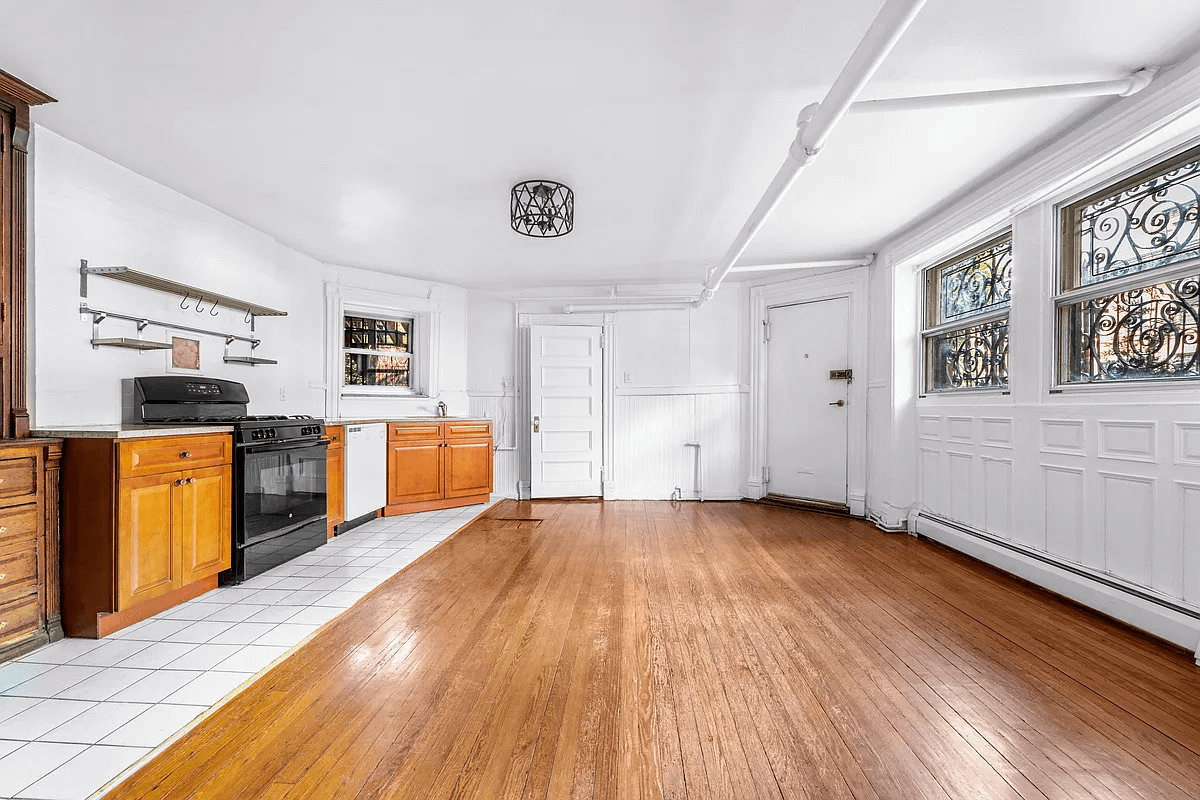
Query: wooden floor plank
x=667, y=651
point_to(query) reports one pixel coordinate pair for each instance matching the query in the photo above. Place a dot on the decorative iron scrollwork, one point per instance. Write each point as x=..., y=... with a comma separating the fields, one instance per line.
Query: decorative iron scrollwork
x=971, y=358
x=1140, y=227
x=980, y=282
x=1146, y=333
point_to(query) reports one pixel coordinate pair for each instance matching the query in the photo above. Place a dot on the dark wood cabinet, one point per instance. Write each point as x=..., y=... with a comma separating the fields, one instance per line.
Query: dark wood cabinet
x=435, y=465
x=29, y=581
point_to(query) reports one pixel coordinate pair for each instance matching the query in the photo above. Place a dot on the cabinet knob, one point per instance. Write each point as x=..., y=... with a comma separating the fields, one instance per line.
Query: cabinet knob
x=186, y=454
x=191, y=480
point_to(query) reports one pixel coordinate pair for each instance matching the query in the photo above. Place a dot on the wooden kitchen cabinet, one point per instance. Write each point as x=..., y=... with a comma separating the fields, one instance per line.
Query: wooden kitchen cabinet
x=29, y=580
x=335, y=477
x=146, y=524
x=434, y=465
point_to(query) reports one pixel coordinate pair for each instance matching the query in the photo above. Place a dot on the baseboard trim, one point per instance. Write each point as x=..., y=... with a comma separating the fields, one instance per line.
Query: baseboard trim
x=1146, y=610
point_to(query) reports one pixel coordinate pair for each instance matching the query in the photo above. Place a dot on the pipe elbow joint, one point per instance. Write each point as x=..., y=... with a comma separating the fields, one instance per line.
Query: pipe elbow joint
x=1140, y=80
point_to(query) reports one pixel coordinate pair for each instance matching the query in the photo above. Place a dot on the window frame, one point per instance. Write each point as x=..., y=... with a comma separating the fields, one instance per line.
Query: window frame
x=1066, y=289
x=930, y=313
x=415, y=344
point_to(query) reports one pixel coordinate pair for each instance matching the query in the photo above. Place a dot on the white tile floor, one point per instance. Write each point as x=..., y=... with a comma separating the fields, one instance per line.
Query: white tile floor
x=80, y=712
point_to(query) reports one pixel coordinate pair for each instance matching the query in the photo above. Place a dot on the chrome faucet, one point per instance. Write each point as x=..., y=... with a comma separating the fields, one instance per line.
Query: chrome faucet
x=441, y=408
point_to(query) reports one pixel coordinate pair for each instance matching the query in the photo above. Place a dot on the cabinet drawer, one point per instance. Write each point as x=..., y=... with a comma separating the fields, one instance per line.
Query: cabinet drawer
x=18, y=479
x=18, y=618
x=18, y=572
x=336, y=435
x=154, y=456
x=468, y=430
x=412, y=431
x=18, y=525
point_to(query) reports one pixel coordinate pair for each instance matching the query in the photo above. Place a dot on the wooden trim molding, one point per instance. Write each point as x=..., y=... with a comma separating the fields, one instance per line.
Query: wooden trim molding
x=16, y=97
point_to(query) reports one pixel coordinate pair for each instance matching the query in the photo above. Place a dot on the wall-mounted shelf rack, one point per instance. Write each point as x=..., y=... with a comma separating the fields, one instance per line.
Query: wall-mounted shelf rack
x=131, y=344
x=99, y=316
x=251, y=360
x=139, y=278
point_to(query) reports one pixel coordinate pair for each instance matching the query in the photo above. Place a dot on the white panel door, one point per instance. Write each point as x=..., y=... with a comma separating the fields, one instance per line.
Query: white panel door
x=564, y=399
x=806, y=428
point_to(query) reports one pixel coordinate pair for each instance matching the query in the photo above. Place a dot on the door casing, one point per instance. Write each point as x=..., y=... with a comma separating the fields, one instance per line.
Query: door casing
x=607, y=323
x=851, y=284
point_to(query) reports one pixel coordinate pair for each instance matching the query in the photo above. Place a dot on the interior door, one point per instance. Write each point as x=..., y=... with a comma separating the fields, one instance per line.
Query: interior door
x=564, y=401
x=807, y=408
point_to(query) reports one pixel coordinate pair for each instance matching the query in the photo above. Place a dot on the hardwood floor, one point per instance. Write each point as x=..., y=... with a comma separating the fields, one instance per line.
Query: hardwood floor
x=718, y=650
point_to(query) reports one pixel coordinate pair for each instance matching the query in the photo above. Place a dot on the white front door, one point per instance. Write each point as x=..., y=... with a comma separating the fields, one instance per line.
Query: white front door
x=806, y=428
x=564, y=401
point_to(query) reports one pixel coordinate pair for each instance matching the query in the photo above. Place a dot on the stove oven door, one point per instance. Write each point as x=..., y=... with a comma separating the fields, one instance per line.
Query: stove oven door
x=280, y=505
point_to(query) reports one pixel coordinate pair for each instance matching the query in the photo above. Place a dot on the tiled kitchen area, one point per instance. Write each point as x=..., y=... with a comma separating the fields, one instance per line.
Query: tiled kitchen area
x=76, y=714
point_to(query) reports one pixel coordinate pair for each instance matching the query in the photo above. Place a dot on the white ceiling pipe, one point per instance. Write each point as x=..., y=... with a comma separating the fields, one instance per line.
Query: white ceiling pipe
x=584, y=308
x=816, y=122
x=1123, y=88
x=859, y=261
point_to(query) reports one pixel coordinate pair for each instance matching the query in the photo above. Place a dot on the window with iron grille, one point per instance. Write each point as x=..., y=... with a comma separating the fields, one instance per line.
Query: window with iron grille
x=965, y=334
x=378, y=352
x=1128, y=304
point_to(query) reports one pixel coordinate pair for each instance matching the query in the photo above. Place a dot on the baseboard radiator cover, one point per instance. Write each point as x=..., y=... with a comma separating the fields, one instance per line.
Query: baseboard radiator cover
x=1143, y=608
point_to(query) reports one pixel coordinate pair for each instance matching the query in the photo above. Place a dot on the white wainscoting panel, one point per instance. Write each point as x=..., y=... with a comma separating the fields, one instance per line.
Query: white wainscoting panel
x=997, y=432
x=1127, y=503
x=1128, y=441
x=960, y=429
x=652, y=452
x=1062, y=501
x=929, y=427
x=930, y=479
x=1063, y=436
x=502, y=411
x=1187, y=444
x=1189, y=523
x=997, y=496
x=960, y=470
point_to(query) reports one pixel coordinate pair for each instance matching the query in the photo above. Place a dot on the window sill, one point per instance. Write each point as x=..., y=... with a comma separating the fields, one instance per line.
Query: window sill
x=1165, y=385
x=397, y=393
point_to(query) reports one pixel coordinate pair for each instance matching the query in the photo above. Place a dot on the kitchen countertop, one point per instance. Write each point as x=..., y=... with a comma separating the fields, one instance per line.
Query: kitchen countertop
x=127, y=431
x=430, y=418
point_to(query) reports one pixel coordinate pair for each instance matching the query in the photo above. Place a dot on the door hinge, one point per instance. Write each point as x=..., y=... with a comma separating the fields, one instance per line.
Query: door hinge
x=601, y=340
x=766, y=330
x=602, y=474
x=3, y=143
x=766, y=474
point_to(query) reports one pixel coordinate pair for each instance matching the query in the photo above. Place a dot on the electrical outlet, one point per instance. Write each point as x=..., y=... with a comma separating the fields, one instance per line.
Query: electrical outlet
x=283, y=393
x=506, y=381
x=628, y=377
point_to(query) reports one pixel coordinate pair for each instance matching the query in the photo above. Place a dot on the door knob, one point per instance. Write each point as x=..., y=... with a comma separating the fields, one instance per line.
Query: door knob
x=537, y=424
x=839, y=403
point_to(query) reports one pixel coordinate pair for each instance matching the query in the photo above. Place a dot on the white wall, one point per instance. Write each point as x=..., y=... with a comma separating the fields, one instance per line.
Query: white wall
x=681, y=376
x=1103, y=481
x=86, y=206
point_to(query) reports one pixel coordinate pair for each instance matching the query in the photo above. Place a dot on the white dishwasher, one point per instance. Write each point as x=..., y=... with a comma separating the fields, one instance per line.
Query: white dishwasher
x=366, y=469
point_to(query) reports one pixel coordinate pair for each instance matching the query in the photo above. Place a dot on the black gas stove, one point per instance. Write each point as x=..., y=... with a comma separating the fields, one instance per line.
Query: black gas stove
x=279, y=480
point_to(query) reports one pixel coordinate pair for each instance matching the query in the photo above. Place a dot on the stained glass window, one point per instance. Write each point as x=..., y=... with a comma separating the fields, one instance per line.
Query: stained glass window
x=1129, y=306
x=377, y=351
x=966, y=320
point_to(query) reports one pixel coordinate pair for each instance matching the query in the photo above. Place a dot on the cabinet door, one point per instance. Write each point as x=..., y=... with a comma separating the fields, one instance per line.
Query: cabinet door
x=335, y=485
x=414, y=471
x=204, y=526
x=468, y=468
x=147, y=551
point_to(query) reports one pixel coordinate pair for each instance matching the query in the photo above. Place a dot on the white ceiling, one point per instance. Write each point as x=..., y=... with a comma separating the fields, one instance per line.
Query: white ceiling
x=386, y=134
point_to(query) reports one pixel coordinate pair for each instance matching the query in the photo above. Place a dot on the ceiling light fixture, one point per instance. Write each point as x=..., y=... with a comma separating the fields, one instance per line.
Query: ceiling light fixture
x=542, y=209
